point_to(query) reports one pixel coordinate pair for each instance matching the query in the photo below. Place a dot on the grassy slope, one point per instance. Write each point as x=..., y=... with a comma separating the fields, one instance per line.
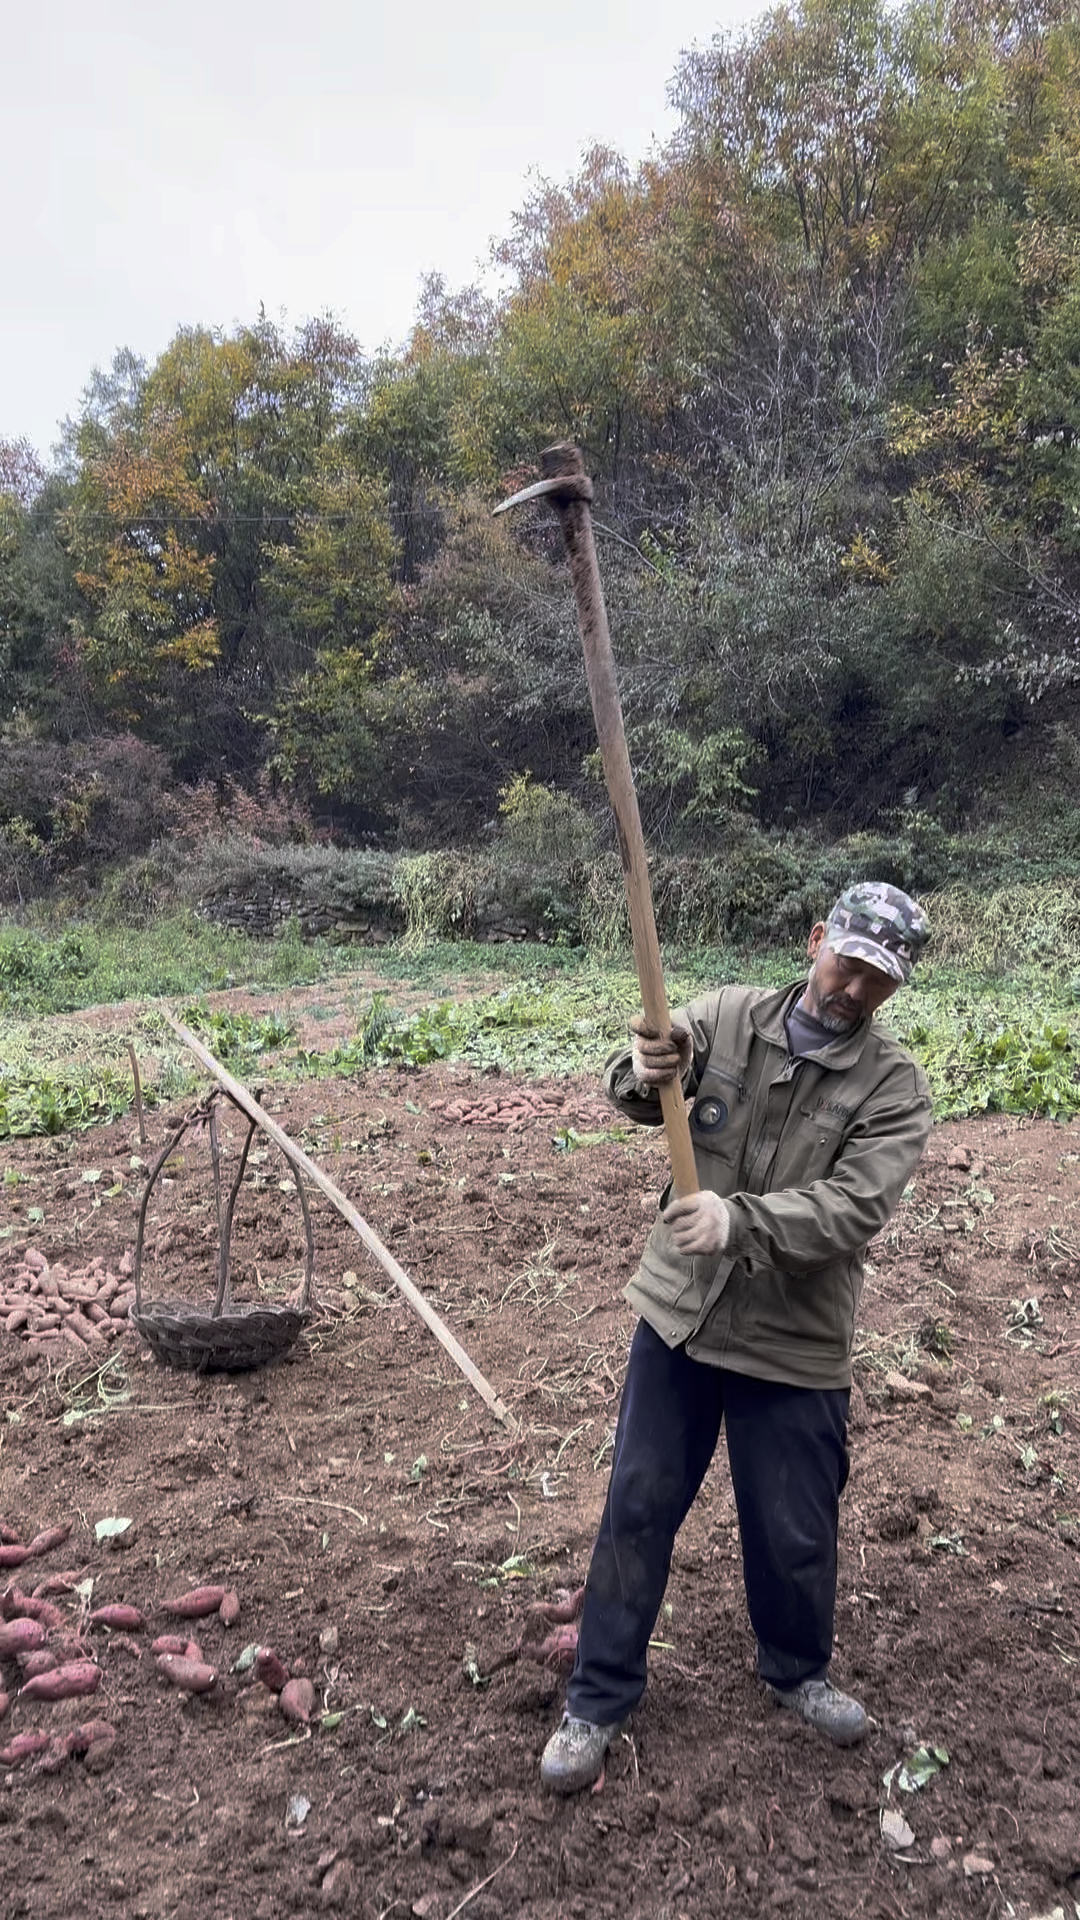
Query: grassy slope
x=989, y=1042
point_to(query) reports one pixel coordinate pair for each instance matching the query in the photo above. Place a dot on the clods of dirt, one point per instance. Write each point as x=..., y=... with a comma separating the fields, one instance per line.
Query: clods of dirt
x=392, y=1542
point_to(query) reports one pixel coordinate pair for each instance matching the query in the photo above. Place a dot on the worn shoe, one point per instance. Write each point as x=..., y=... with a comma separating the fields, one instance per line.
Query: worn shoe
x=574, y=1756
x=840, y=1718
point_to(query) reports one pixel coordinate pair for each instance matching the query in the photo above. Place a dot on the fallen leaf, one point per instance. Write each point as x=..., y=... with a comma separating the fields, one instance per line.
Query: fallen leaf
x=974, y=1863
x=917, y=1768
x=895, y=1831
x=109, y=1529
x=297, y=1810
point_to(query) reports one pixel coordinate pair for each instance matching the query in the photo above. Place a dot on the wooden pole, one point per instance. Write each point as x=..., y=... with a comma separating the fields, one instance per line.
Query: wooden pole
x=239, y=1093
x=567, y=487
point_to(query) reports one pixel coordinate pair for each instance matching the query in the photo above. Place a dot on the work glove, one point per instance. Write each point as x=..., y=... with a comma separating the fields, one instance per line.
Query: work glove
x=699, y=1223
x=659, y=1058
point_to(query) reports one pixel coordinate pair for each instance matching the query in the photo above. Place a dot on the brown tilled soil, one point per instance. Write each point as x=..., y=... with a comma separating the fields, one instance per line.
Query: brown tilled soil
x=389, y=1538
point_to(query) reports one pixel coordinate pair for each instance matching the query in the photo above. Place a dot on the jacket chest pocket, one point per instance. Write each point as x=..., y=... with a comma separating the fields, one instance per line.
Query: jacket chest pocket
x=720, y=1115
x=810, y=1147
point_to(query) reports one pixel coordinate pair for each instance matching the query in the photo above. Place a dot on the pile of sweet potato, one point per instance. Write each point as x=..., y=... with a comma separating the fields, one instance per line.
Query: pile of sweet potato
x=518, y=1108
x=49, y=1656
x=66, y=1314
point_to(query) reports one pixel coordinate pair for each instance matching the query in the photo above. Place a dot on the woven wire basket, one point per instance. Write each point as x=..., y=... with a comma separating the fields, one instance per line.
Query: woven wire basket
x=225, y=1336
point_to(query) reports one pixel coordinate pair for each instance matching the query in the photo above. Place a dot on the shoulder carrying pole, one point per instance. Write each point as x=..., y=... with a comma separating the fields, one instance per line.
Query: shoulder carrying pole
x=301, y=1163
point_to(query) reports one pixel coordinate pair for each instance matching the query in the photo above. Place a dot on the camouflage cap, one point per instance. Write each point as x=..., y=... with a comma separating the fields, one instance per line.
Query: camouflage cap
x=877, y=923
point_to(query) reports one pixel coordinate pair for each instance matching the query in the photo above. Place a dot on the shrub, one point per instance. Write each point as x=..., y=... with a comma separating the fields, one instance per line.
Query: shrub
x=437, y=896
x=33, y=970
x=543, y=826
x=222, y=809
x=1005, y=927
x=341, y=880
x=88, y=803
x=24, y=865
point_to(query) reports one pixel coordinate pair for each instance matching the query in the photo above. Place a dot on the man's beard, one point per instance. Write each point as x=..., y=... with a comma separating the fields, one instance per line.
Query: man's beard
x=829, y=1010
x=834, y=1021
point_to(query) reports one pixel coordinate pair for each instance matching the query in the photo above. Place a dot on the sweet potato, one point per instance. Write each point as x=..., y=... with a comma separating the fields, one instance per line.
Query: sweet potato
x=9, y=1537
x=196, y=1604
x=51, y=1618
x=229, y=1609
x=296, y=1700
x=87, y=1330
x=40, y=1661
x=12, y=1555
x=56, y=1757
x=566, y=1606
x=45, y=1542
x=41, y=1348
x=21, y=1636
x=78, y=1291
x=191, y=1676
x=170, y=1643
x=271, y=1670
x=92, y=1743
x=23, y=1747
x=63, y=1683
x=5, y=1702
x=92, y=1733
x=558, y=1651
x=65, y=1582
x=116, y=1614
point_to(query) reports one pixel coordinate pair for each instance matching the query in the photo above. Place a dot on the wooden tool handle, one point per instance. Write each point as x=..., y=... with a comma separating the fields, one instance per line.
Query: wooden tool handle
x=571, y=502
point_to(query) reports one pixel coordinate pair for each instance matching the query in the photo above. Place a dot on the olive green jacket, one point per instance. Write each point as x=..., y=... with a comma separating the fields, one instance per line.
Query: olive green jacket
x=812, y=1157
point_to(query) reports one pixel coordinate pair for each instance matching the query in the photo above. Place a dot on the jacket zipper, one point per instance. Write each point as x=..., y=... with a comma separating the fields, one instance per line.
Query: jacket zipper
x=788, y=1071
x=738, y=1083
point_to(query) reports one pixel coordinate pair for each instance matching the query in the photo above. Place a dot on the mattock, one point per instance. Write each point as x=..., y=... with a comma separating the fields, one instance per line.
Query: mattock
x=567, y=487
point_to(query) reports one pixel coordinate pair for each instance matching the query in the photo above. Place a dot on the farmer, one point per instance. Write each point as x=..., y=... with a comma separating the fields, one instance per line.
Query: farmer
x=807, y=1122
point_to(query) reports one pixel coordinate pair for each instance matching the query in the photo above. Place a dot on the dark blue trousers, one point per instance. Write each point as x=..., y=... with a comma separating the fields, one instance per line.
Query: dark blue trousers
x=787, y=1448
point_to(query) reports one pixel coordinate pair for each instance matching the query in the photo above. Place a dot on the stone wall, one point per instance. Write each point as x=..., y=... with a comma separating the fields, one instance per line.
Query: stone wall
x=264, y=911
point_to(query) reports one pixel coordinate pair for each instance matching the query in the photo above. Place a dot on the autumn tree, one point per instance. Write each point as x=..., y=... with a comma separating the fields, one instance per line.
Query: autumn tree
x=133, y=524
x=223, y=534
x=988, y=420
x=820, y=355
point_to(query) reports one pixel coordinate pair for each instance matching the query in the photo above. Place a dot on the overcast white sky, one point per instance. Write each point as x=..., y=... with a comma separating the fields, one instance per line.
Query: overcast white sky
x=179, y=165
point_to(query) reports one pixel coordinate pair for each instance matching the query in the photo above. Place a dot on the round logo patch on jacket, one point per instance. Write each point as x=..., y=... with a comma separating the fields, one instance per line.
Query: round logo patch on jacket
x=709, y=1114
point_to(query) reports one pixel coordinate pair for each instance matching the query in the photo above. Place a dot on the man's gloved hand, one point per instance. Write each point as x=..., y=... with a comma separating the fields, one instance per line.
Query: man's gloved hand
x=700, y=1223
x=659, y=1058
